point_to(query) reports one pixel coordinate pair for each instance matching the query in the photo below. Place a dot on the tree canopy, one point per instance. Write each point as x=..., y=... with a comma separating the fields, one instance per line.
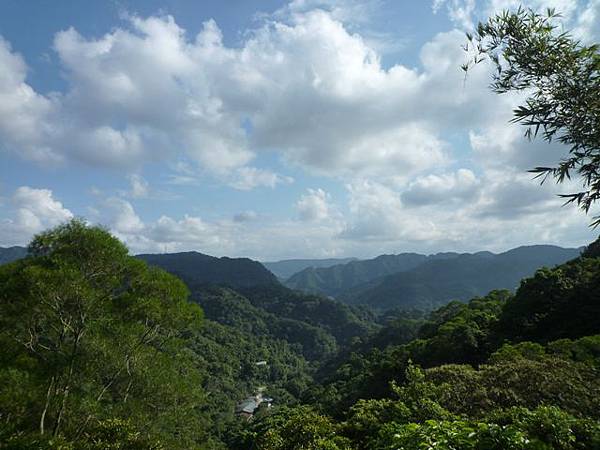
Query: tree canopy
x=92, y=346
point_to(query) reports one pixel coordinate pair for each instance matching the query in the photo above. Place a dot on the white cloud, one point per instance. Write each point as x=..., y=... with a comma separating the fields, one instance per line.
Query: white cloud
x=461, y=185
x=508, y=211
x=40, y=206
x=566, y=8
x=306, y=86
x=376, y=214
x=24, y=114
x=33, y=211
x=189, y=230
x=314, y=205
x=460, y=11
x=465, y=13
x=139, y=186
x=121, y=217
x=587, y=26
x=303, y=86
x=247, y=178
x=503, y=145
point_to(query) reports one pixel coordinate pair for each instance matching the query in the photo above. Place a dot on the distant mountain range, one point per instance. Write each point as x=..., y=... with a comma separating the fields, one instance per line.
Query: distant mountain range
x=333, y=281
x=406, y=280
x=10, y=254
x=197, y=269
x=192, y=267
x=411, y=280
x=288, y=267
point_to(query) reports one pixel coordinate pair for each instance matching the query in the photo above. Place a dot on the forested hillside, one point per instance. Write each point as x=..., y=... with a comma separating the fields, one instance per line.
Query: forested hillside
x=436, y=282
x=503, y=371
x=332, y=281
x=9, y=254
x=288, y=267
x=197, y=269
x=101, y=349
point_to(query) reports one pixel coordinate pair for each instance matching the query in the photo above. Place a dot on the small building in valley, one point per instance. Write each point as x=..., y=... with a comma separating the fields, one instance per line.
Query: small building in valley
x=247, y=407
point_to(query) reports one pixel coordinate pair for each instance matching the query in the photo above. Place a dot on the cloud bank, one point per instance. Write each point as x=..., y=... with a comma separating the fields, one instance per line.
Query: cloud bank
x=427, y=159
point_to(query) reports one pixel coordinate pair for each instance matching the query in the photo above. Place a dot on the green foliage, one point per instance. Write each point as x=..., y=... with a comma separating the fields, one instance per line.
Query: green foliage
x=419, y=396
x=555, y=303
x=437, y=281
x=229, y=308
x=561, y=77
x=101, y=351
x=452, y=435
x=298, y=428
x=198, y=270
x=460, y=333
x=518, y=381
x=90, y=334
x=343, y=322
x=592, y=250
x=457, y=332
x=116, y=434
x=337, y=279
x=545, y=428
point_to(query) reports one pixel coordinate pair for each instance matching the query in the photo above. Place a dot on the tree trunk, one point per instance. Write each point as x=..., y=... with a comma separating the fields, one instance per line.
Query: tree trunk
x=46, y=405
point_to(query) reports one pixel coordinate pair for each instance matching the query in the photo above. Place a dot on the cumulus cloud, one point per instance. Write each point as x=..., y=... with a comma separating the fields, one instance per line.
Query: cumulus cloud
x=301, y=85
x=121, y=217
x=466, y=13
x=507, y=211
x=313, y=205
x=459, y=11
x=33, y=210
x=139, y=186
x=502, y=145
x=377, y=214
x=587, y=25
x=25, y=116
x=461, y=185
x=566, y=7
x=305, y=86
x=247, y=178
x=36, y=208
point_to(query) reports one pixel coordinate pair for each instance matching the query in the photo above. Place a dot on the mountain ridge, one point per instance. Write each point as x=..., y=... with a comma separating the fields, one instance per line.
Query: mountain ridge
x=439, y=281
x=196, y=268
x=285, y=268
x=10, y=254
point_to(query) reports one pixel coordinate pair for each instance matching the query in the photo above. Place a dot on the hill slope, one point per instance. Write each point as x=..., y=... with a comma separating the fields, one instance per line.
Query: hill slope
x=334, y=280
x=254, y=302
x=197, y=269
x=10, y=254
x=288, y=267
x=436, y=282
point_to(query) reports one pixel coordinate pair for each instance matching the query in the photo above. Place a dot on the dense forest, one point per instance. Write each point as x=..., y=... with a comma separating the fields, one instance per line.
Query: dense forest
x=102, y=350
x=412, y=280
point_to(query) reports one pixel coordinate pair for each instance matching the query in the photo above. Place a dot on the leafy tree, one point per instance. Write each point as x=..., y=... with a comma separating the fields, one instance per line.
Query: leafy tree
x=555, y=303
x=561, y=78
x=298, y=428
x=90, y=335
x=544, y=428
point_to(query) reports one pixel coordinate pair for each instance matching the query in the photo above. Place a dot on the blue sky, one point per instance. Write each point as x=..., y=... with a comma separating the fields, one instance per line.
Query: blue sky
x=270, y=129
